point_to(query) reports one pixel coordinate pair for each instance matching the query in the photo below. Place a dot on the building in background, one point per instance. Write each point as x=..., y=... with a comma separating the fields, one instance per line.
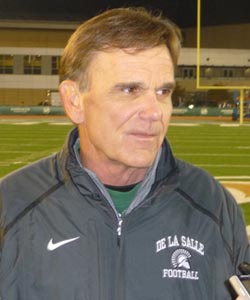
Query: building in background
x=30, y=56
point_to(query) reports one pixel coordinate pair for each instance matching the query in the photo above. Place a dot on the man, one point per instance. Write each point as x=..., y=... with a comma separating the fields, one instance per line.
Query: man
x=114, y=215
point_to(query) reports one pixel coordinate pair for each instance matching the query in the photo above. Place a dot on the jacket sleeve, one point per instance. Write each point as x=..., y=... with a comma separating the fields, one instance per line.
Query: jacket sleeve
x=1, y=225
x=234, y=231
x=241, y=245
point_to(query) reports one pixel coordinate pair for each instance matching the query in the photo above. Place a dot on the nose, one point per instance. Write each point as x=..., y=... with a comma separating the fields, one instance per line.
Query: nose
x=151, y=108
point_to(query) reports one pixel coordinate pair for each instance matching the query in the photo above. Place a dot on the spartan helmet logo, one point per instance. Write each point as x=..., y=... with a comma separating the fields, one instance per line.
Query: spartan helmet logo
x=180, y=259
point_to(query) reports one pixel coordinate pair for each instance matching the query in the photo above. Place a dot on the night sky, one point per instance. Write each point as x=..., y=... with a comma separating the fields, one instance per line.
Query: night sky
x=183, y=12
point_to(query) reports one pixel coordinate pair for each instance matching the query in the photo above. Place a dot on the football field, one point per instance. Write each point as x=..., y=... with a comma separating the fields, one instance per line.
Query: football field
x=223, y=149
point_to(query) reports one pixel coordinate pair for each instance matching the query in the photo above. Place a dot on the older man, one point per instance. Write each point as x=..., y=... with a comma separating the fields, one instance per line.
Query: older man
x=114, y=215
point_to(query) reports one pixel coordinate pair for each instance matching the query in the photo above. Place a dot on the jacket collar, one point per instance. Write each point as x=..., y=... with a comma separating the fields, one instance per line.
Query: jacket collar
x=69, y=163
x=167, y=163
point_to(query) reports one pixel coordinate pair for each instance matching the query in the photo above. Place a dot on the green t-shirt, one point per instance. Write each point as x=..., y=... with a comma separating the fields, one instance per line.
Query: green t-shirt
x=122, y=196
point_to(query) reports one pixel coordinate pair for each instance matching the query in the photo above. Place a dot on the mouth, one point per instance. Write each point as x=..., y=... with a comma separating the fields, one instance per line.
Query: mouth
x=143, y=135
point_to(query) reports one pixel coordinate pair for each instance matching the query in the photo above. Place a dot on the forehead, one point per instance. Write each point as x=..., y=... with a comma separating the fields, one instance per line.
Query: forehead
x=128, y=62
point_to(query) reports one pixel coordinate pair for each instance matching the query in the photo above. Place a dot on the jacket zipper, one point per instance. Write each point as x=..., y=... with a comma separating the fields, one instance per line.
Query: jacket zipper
x=119, y=230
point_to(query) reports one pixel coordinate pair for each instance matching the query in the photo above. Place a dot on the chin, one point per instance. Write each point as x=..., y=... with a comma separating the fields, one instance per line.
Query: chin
x=139, y=162
x=139, y=158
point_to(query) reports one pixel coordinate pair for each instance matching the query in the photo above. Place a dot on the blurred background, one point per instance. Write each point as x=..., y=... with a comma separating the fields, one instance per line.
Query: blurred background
x=34, y=33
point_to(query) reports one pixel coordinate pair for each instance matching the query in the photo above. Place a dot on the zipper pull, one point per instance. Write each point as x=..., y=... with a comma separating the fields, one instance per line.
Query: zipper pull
x=119, y=231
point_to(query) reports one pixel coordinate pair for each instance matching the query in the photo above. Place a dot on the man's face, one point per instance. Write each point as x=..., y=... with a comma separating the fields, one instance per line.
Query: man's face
x=127, y=107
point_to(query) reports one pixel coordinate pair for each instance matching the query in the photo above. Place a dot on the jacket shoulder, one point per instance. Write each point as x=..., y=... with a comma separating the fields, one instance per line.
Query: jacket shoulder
x=22, y=187
x=203, y=190
x=206, y=194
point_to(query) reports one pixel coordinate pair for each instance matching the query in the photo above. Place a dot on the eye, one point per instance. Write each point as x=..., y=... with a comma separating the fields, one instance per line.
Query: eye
x=130, y=89
x=164, y=92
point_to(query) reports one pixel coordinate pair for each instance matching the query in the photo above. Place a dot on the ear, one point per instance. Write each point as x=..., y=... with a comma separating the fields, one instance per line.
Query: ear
x=72, y=102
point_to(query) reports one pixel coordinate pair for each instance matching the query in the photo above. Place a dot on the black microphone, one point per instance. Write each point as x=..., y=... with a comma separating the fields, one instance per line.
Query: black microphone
x=244, y=268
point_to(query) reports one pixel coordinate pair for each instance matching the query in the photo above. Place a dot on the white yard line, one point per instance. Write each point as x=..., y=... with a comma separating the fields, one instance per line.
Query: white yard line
x=213, y=154
x=224, y=165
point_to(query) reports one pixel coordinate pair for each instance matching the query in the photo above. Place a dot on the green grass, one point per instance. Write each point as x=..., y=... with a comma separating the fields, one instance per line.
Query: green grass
x=222, y=151
x=246, y=210
x=22, y=144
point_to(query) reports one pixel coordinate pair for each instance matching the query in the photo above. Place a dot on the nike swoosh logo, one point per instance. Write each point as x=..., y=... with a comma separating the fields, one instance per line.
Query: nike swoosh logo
x=52, y=246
